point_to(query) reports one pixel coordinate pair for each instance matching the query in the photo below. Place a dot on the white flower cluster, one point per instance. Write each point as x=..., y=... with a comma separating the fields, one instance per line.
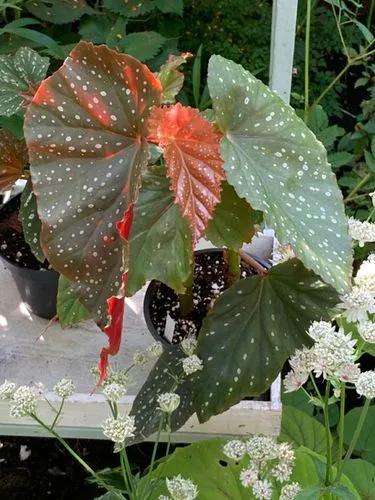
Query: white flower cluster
x=365, y=277
x=23, y=402
x=365, y=384
x=64, y=389
x=357, y=304
x=282, y=253
x=192, y=363
x=141, y=358
x=118, y=429
x=168, y=402
x=114, y=392
x=7, y=389
x=333, y=356
x=181, y=489
x=268, y=462
x=363, y=232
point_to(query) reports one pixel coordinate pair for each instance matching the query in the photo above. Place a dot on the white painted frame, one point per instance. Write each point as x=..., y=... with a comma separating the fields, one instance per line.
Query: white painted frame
x=84, y=412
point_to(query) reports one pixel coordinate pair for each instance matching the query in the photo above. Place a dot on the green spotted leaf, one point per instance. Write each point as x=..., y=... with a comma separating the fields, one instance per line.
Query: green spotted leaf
x=69, y=309
x=58, y=11
x=232, y=223
x=260, y=321
x=143, y=45
x=82, y=130
x=31, y=224
x=20, y=73
x=162, y=378
x=160, y=241
x=275, y=162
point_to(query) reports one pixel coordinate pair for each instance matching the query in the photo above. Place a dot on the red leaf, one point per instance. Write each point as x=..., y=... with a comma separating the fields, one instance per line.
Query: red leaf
x=116, y=305
x=13, y=158
x=194, y=165
x=86, y=135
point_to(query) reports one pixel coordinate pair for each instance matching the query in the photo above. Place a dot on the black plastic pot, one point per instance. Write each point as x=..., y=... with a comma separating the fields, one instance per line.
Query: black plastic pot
x=154, y=285
x=37, y=287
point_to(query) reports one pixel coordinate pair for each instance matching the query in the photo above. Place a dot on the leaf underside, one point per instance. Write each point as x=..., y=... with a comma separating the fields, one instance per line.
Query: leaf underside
x=193, y=162
x=19, y=72
x=85, y=128
x=13, y=159
x=252, y=329
x=160, y=242
x=275, y=162
x=31, y=224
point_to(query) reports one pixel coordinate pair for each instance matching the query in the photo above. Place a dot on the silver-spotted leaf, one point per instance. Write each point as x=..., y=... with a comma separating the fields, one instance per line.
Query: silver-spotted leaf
x=161, y=379
x=85, y=134
x=232, y=224
x=20, y=73
x=275, y=162
x=31, y=224
x=160, y=241
x=252, y=329
x=69, y=309
x=58, y=11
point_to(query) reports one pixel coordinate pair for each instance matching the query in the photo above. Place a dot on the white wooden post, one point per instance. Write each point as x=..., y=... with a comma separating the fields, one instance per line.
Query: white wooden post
x=284, y=16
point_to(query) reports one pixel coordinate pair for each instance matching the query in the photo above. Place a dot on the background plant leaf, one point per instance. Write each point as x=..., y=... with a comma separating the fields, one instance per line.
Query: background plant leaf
x=260, y=321
x=365, y=447
x=143, y=45
x=31, y=224
x=69, y=309
x=275, y=162
x=82, y=129
x=362, y=475
x=160, y=241
x=170, y=6
x=232, y=223
x=299, y=428
x=131, y=8
x=58, y=11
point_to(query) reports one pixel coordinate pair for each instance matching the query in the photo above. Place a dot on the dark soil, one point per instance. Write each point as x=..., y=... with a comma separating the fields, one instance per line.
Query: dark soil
x=210, y=280
x=13, y=246
x=50, y=472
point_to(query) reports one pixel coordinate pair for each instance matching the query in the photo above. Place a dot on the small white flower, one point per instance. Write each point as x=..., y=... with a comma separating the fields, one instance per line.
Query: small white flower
x=23, y=402
x=140, y=358
x=249, y=476
x=164, y=497
x=286, y=453
x=356, y=304
x=332, y=352
x=168, y=402
x=282, y=253
x=262, y=448
x=290, y=491
x=363, y=232
x=181, y=488
x=294, y=380
x=365, y=278
x=189, y=345
x=155, y=350
x=235, y=449
x=114, y=392
x=319, y=329
x=192, y=364
x=262, y=489
x=7, y=389
x=65, y=388
x=366, y=329
x=282, y=472
x=365, y=385
x=120, y=377
x=118, y=429
x=349, y=373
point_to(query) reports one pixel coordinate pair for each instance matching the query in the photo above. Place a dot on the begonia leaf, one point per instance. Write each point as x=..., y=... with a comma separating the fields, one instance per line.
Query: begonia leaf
x=31, y=224
x=85, y=133
x=252, y=329
x=193, y=162
x=58, y=11
x=171, y=78
x=276, y=163
x=20, y=74
x=160, y=242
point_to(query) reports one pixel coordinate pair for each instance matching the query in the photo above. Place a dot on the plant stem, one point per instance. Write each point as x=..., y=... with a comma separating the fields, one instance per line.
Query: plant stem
x=307, y=60
x=328, y=435
x=355, y=437
x=125, y=475
x=156, y=443
x=234, y=270
x=341, y=74
x=315, y=386
x=58, y=413
x=370, y=14
x=371, y=215
x=340, y=427
x=85, y=465
x=360, y=184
